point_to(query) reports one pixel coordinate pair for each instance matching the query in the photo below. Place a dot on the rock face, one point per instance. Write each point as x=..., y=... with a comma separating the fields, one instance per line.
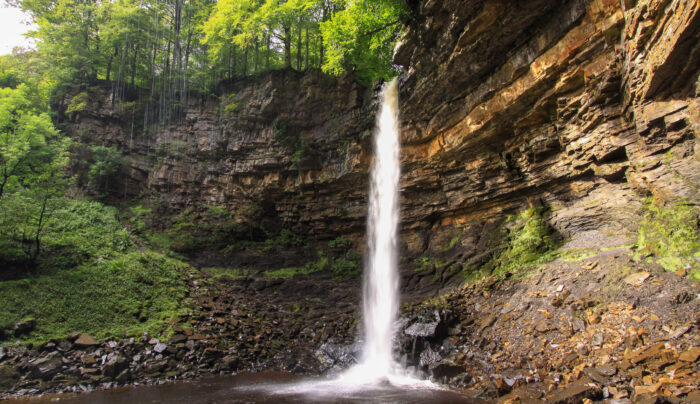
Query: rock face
x=583, y=106
x=294, y=145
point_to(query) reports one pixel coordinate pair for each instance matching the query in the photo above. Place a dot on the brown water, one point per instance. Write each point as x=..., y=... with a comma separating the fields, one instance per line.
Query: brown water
x=268, y=387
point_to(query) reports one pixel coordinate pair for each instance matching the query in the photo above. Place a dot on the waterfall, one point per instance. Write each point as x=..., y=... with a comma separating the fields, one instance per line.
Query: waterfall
x=381, y=279
x=380, y=299
x=376, y=368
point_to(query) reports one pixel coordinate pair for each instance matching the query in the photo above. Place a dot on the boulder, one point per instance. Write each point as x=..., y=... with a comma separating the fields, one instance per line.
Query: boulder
x=45, y=368
x=422, y=329
x=576, y=392
x=24, y=327
x=338, y=354
x=114, y=366
x=429, y=358
x=85, y=340
x=160, y=347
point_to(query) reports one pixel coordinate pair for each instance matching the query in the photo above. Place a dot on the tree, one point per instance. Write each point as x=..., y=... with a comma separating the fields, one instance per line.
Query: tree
x=32, y=160
x=24, y=134
x=361, y=39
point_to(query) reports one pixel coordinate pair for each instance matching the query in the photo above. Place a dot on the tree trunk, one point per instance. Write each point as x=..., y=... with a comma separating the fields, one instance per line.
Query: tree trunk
x=37, y=236
x=267, y=54
x=133, y=66
x=287, y=46
x=245, y=61
x=255, y=64
x=306, y=63
x=109, y=64
x=299, y=49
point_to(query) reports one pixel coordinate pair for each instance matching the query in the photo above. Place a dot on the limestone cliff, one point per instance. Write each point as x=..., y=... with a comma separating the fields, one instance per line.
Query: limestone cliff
x=582, y=106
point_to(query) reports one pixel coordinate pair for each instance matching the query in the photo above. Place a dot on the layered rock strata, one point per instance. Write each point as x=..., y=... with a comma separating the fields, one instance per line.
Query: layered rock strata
x=583, y=106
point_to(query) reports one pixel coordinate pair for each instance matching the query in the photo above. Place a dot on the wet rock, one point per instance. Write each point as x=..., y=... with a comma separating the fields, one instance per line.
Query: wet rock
x=229, y=362
x=498, y=386
x=156, y=366
x=422, y=329
x=680, y=331
x=64, y=346
x=597, y=339
x=542, y=326
x=85, y=341
x=607, y=370
x=429, y=357
x=45, y=368
x=334, y=354
x=595, y=375
x=445, y=370
x=24, y=327
x=178, y=338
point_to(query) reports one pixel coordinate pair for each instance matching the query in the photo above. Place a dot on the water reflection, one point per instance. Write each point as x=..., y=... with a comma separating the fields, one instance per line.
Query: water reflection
x=267, y=387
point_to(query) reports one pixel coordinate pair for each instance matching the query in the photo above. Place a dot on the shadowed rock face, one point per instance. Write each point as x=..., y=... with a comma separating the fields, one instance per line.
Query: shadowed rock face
x=584, y=106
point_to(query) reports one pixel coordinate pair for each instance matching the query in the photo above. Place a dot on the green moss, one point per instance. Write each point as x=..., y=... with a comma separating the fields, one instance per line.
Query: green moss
x=290, y=138
x=427, y=264
x=286, y=273
x=228, y=104
x=233, y=273
x=285, y=239
x=576, y=255
x=453, y=243
x=211, y=226
x=79, y=230
x=669, y=235
x=527, y=241
x=342, y=266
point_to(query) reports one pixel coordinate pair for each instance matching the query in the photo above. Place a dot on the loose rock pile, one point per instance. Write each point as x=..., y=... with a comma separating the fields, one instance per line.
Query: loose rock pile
x=235, y=328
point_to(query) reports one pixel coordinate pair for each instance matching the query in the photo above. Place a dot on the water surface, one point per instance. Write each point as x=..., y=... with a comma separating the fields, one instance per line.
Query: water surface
x=267, y=387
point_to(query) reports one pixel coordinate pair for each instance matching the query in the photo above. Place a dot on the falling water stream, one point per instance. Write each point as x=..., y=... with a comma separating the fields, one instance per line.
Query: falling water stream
x=377, y=377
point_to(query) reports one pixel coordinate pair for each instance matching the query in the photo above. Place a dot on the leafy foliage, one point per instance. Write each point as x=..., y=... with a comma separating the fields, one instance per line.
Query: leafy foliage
x=32, y=158
x=361, y=39
x=106, y=163
x=126, y=295
x=92, y=279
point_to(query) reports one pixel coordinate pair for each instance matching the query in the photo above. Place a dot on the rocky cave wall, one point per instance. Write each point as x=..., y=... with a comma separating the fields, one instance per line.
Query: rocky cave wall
x=585, y=107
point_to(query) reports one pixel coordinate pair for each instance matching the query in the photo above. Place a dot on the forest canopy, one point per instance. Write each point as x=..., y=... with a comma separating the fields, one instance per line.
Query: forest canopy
x=171, y=47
